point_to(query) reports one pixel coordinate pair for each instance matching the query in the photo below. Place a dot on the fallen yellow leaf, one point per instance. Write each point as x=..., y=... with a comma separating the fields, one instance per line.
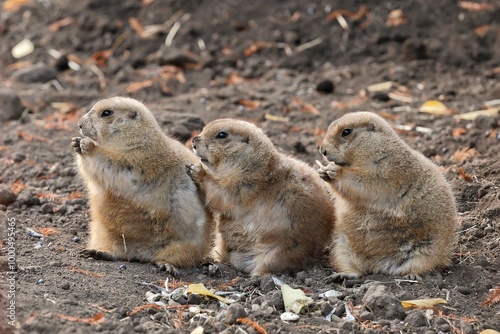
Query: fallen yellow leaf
x=295, y=300
x=200, y=289
x=489, y=331
x=434, y=107
x=422, y=302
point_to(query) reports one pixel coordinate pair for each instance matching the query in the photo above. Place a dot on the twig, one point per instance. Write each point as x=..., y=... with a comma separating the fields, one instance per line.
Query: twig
x=100, y=76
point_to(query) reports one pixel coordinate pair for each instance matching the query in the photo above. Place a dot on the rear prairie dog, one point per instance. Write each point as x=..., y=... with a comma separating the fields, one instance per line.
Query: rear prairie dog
x=144, y=205
x=275, y=213
x=395, y=211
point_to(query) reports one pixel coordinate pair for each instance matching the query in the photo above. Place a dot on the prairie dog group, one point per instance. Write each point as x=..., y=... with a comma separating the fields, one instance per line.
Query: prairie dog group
x=144, y=205
x=395, y=211
x=275, y=213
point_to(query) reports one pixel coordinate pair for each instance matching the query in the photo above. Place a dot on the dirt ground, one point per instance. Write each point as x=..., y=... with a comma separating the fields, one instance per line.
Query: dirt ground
x=290, y=66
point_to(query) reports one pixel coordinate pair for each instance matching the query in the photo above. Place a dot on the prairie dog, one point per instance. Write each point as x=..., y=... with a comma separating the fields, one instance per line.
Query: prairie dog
x=395, y=211
x=144, y=205
x=275, y=212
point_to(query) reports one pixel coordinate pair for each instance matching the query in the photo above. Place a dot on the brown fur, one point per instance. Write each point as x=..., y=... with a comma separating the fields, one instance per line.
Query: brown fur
x=275, y=213
x=395, y=211
x=144, y=205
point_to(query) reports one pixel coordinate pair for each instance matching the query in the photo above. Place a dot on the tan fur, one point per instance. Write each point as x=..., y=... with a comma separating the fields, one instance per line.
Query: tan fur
x=275, y=213
x=144, y=205
x=395, y=211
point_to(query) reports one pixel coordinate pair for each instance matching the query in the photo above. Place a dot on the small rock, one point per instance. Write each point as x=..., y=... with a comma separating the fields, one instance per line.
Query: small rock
x=381, y=96
x=233, y=312
x=62, y=63
x=416, y=319
x=383, y=303
x=464, y=290
x=275, y=299
x=121, y=267
x=36, y=73
x=7, y=196
x=194, y=299
x=65, y=286
x=12, y=108
x=301, y=276
x=326, y=308
x=308, y=281
x=325, y=87
x=267, y=284
x=485, y=122
x=289, y=316
x=366, y=316
x=488, y=229
x=18, y=156
x=173, y=56
x=466, y=328
x=77, y=239
x=40, y=281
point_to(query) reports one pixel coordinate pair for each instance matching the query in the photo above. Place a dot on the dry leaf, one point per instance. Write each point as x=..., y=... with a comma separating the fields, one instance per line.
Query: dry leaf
x=249, y=103
x=144, y=307
x=343, y=12
x=85, y=272
x=61, y=23
x=200, y=289
x=96, y=319
x=101, y=57
x=136, y=86
x=482, y=30
x=464, y=154
x=14, y=5
x=422, y=303
x=380, y=87
x=493, y=297
x=235, y=78
x=295, y=300
x=48, y=231
x=434, y=107
x=396, y=18
x=134, y=23
x=457, y=132
x=251, y=323
x=357, y=101
x=17, y=186
x=470, y=116
x=31, y=137
x=275, y=118
x=256, y=47
x=463, y=175
x=475, y=6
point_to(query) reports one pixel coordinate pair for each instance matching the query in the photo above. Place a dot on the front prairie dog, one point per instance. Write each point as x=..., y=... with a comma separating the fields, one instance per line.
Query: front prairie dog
x=144, y=205
x=395, y=211
x=275, y=212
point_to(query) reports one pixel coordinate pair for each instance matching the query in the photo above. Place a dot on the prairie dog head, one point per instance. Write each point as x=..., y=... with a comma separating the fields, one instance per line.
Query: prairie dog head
x=112, y=121
x=358, y=138
x=227, y=143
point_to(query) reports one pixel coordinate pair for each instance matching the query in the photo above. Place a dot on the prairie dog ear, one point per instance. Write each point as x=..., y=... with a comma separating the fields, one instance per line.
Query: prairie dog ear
x=247, y=139
x=371, y=126
x=134, y=114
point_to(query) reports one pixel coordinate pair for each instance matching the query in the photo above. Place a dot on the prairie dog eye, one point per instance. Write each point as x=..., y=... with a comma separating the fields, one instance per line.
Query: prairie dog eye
x=346, y=132
x=107, y=113
x=222, y=135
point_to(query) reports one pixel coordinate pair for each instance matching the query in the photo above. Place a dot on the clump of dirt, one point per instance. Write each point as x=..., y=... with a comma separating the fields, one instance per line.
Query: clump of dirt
x=290, y=66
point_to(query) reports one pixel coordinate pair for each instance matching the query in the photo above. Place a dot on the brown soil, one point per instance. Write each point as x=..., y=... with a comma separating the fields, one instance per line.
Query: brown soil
x=260, y=61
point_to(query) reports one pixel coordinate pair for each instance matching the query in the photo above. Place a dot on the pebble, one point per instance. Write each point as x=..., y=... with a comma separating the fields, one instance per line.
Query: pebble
x=289, y=316
x=7, y=196
x=37, y=73
x=12, y=108
x=325, y=87
x=464, y=290
x=77, y=239
x=121, y=267
x=416, y=318
x=18, y=156
x=326, y=308
x=485, y=122
x=40, y=281
x=233, y=312
x=275, y=299
x=383, y=303
x=65, y=286
x=301, y=276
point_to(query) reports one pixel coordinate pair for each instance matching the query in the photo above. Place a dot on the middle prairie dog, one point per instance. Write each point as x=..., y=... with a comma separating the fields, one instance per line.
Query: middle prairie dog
x=395, y=211
x=275, y=212
x=144, y=205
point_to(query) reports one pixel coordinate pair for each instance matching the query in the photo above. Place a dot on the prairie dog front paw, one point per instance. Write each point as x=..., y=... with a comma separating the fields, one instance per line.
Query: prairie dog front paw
x=196, y=171
x=329, y=172
x=82, y=145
